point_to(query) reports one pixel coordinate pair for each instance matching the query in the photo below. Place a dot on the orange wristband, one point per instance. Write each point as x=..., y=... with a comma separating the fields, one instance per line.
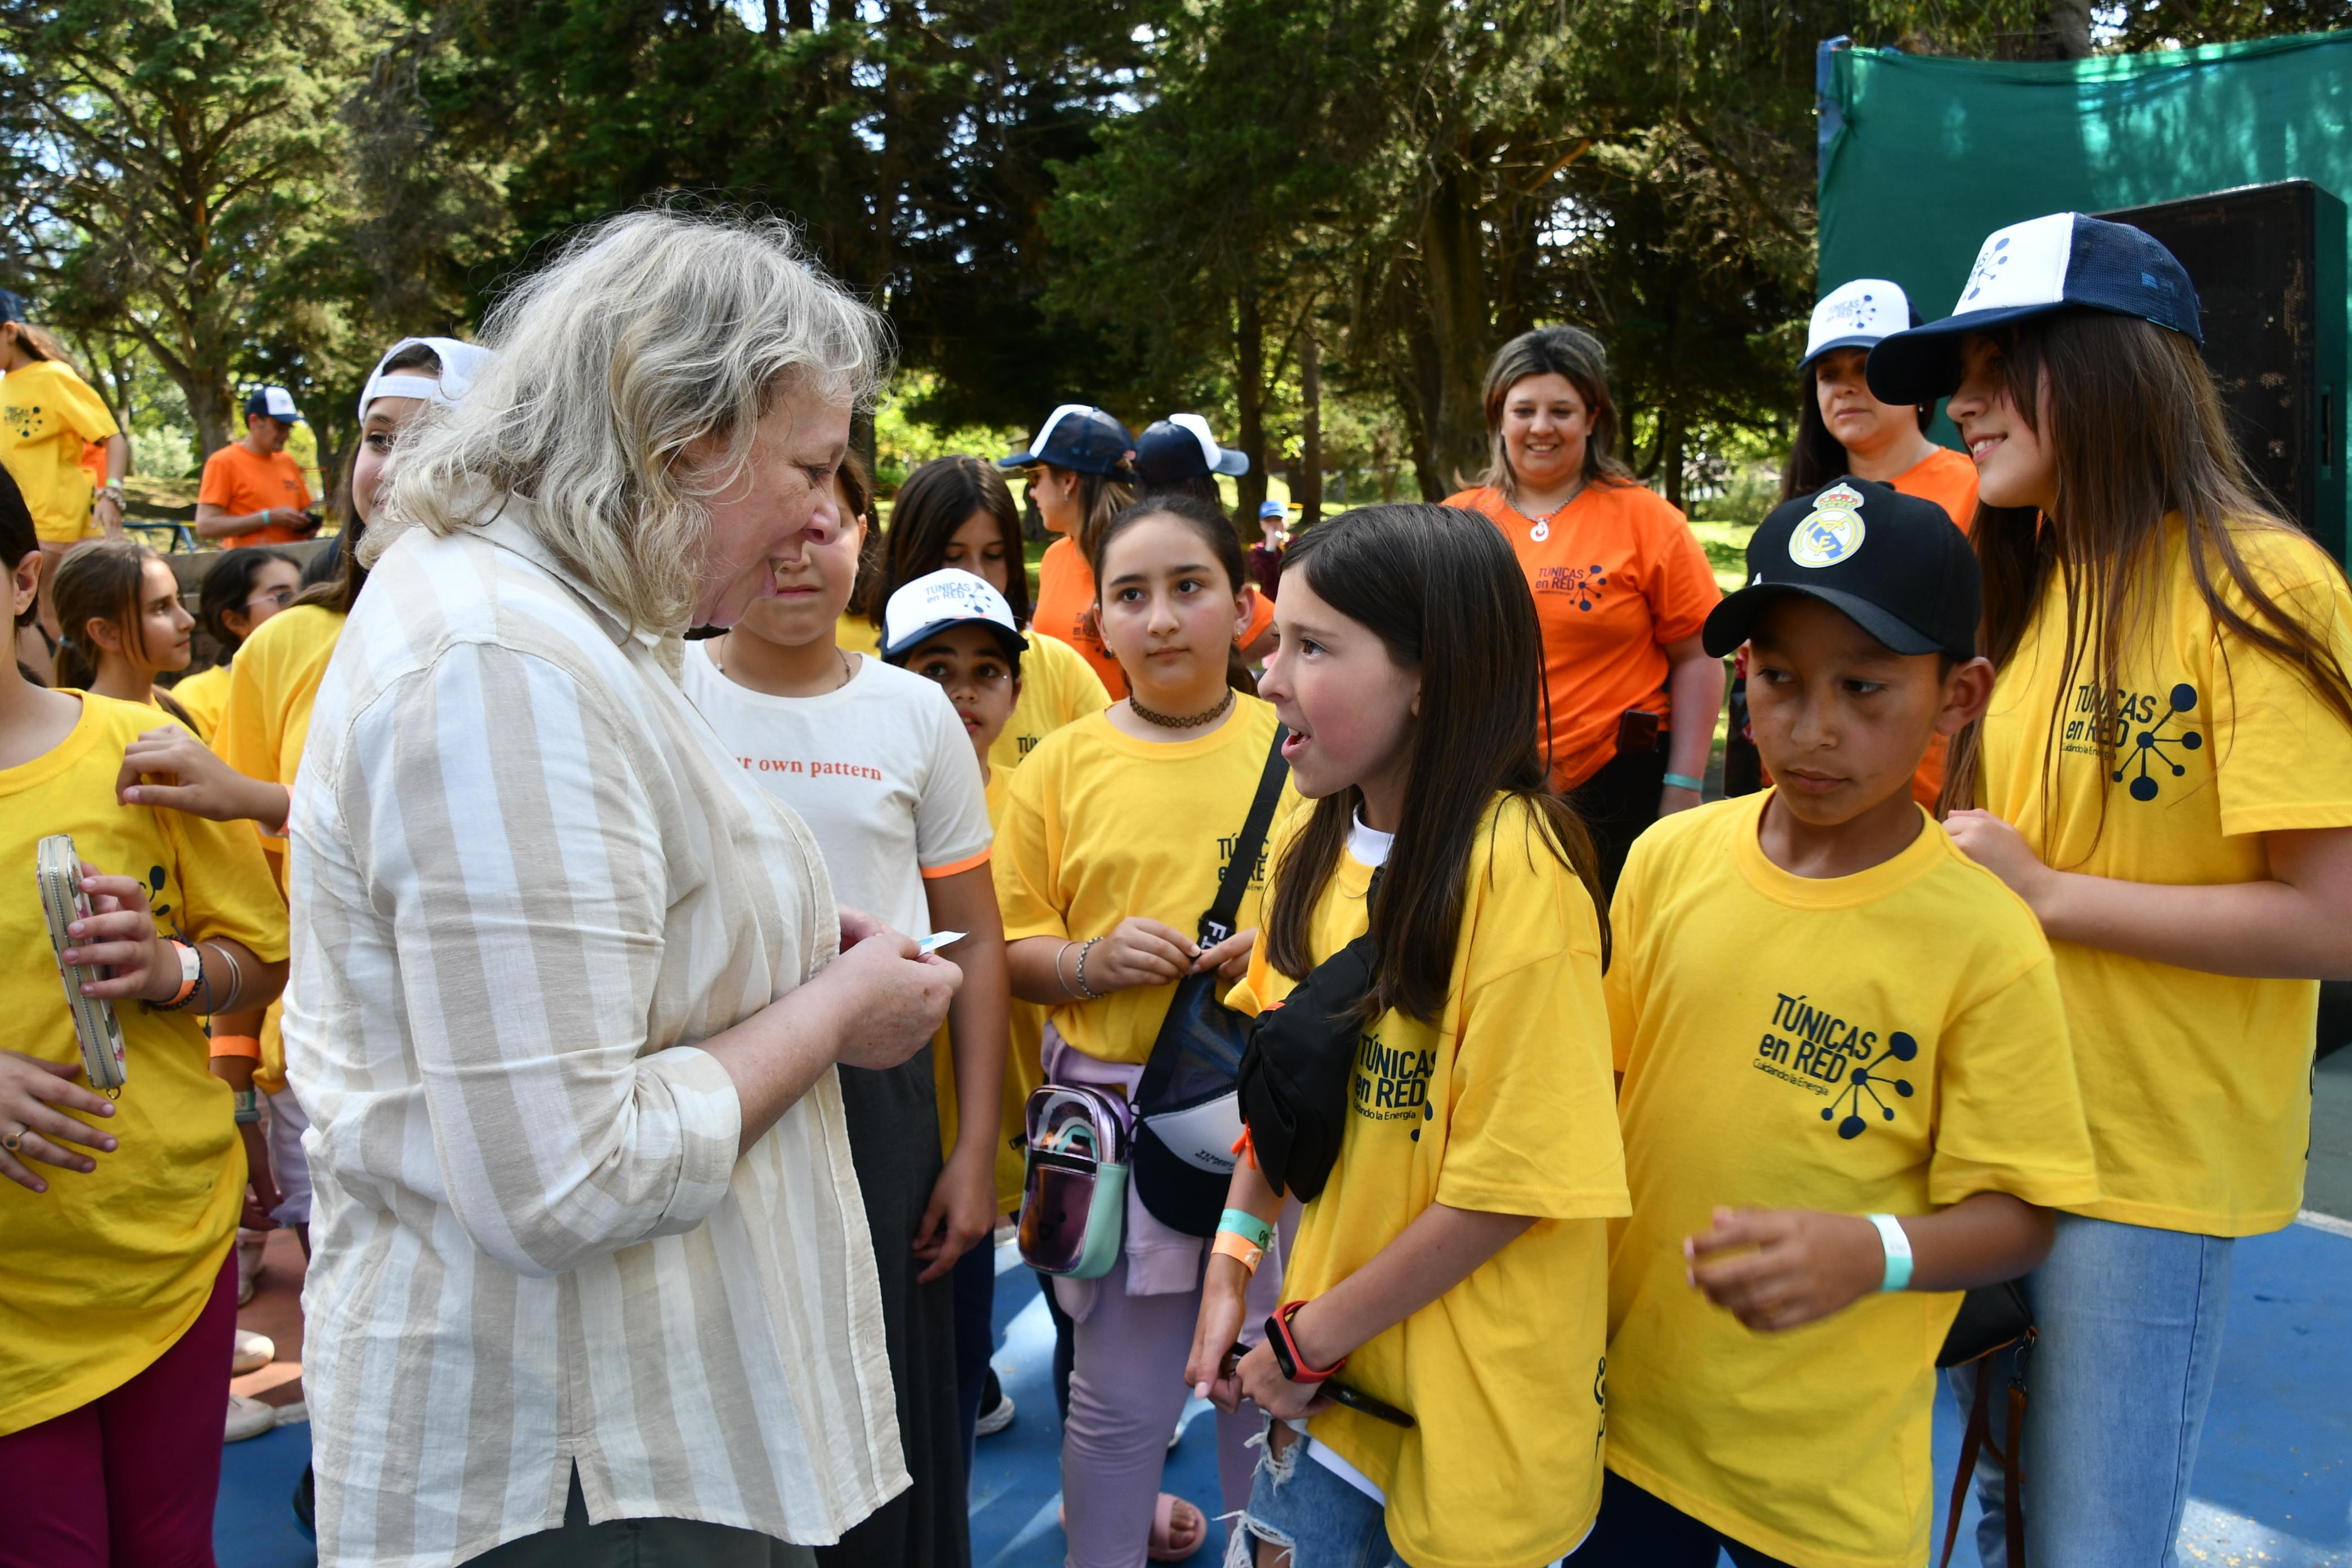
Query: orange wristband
x=237, y=1045
x=1238, y=1247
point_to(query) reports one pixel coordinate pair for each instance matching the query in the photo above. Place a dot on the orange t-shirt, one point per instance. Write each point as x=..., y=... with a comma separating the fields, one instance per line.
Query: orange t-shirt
x=1617, y=576
x=243, y=482
x=1949, y=480
x=1065, y=611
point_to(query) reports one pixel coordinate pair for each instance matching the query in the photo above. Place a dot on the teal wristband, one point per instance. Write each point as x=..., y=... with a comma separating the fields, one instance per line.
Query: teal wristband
x=1246, y=1225
x=1683, y=781
x=1897, y=1242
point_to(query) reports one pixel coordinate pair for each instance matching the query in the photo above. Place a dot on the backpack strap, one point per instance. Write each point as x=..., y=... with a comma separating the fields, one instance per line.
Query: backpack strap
x=1218, y=923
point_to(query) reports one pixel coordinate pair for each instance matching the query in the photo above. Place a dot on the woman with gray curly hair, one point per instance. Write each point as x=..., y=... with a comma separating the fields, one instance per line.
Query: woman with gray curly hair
x=591, y=1277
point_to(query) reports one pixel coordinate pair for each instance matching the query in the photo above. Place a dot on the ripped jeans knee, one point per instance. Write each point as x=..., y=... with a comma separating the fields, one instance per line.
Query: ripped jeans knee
x=1311, y=1516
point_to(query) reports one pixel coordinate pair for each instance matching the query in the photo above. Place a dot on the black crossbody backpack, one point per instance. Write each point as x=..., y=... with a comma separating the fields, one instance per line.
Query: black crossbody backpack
x=1297, y=1075
x=1187, y=1118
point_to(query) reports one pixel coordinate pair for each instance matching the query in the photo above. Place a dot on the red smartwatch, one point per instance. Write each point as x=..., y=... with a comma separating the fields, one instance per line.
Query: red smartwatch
x=1286, y=1347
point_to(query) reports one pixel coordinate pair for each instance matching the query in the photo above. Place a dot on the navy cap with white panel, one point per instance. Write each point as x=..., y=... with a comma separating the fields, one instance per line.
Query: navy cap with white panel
x=1077, y=437
x=1895, y=564
x=1857, y=315
x=951, y=596
x=1181, y=447
x=275, y=402
x=2063, y=261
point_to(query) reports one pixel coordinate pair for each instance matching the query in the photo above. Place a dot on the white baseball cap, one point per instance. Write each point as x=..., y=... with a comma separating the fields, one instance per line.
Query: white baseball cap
x=923, y=608
x=1857, y=315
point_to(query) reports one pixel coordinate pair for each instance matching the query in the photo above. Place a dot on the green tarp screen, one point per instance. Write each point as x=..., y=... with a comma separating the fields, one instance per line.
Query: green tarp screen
x=1921, y=157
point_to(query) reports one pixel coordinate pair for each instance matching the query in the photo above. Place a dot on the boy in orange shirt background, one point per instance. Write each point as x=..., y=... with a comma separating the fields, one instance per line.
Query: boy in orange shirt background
x=252, y=491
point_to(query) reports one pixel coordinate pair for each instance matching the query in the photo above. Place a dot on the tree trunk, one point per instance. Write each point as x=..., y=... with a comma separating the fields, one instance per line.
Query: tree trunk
x=775, y=17
x=212, y=406
x=1453, y=298
x=1308, y=492
x=2066, y=30
x=1249, y=392
x=1418, y=406
x=1671, y=436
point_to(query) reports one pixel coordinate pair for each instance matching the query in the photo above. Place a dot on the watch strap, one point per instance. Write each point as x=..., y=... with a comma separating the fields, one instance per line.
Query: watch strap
x=1285, y=1346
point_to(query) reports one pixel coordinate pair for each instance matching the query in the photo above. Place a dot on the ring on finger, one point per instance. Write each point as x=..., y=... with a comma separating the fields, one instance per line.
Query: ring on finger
x=13, y=1141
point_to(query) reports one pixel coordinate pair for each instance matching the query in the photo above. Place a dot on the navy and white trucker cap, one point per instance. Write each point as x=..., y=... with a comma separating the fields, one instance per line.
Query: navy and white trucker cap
x=2043, y=265
x=1077, y=437
x=1180, y=448
x=1858, y=315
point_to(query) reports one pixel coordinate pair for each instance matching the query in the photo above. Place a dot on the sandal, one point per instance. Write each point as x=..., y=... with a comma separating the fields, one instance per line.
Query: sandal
x=1163, y=1547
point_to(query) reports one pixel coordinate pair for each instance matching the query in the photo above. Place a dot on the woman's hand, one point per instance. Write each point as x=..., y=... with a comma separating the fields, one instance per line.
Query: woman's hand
x=119, y=935
x=1225, y=1292
x=167, y=766
x=1791, y=1266
x=895, y=996
x=961, y=1213
x=1230, y=957
x=1674, y=798
x=2003, y=850
x=1139, y=952
x=35, y=1096
x=1261, y=1379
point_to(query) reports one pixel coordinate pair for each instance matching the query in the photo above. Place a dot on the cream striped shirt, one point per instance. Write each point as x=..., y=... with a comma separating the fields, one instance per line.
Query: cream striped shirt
x=526, y=879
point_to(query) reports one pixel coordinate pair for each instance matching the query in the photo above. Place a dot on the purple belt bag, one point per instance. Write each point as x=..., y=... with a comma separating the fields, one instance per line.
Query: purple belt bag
x=1074, y=1192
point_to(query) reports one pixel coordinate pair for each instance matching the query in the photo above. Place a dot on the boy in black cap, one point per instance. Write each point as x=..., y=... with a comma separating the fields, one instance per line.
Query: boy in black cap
x=1847, y=1091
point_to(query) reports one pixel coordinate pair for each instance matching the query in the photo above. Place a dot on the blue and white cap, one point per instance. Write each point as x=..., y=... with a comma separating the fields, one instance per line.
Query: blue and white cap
x=275, y=402
x=2063, y=261
x=1857, y=315
x=932, y=603
x=1079, y=436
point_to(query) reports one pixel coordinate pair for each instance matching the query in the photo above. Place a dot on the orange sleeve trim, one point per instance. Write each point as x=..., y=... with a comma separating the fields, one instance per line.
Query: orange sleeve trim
x=932, y=873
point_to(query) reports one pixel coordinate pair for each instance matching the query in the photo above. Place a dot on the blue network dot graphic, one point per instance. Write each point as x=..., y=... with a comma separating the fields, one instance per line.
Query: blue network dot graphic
x=2152, y=746
x=1867, y=1079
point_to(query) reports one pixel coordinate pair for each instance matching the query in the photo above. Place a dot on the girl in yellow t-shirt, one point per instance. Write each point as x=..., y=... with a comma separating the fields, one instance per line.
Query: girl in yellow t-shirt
x=957, y=512
x=242, y=589
x=1110, y=849
x=1452, y=1262
x=2164, y=775
x=117, y=1302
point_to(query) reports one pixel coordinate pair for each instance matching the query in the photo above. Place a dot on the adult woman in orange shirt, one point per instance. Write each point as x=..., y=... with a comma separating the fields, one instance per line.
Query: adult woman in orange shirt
x=1620, y=587
x=1081, y=471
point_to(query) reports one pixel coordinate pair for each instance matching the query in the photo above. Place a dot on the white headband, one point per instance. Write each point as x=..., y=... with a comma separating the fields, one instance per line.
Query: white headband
x=460, y=361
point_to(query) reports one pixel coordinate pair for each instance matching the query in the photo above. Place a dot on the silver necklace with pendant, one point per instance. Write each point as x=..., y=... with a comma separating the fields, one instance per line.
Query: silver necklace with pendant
x=1542, y=528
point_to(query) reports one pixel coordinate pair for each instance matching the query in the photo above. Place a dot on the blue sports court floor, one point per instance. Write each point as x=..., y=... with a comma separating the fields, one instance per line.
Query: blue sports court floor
x=2274, y=1486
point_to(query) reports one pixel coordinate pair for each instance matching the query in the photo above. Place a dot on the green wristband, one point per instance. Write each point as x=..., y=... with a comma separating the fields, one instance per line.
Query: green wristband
x=1246, y=1225
x=1683, y=781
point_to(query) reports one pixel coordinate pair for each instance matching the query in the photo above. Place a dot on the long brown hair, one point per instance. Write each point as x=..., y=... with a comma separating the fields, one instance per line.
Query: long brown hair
x=1101, y=497
x=932, y=504
x=1440, y=588
x=1817, y=456
x=2137, y=433
x=1216, y=531
x=102, y=579
x=1570, y=352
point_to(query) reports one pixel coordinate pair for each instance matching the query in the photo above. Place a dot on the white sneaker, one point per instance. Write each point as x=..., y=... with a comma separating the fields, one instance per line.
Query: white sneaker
x=996, y=1417
x=249, y=1243
x=247, y=1418
x=253, y=1351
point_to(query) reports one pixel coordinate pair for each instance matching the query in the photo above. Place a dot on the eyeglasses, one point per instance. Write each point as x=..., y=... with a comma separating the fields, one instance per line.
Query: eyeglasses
x=281, y=597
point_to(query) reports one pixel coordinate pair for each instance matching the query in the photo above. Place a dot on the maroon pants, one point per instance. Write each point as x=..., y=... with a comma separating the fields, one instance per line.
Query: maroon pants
x=127, y=1480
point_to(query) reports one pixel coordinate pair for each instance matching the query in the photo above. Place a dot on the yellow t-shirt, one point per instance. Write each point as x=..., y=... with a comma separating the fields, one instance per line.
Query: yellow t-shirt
x=2198, y=1086
x=102, y=1273
x=1503, y=1106
x=204, y=695
x=1101, y=827
x=1058, y=686
x=856, y=634
x=47, y=414
x=1887, y=1043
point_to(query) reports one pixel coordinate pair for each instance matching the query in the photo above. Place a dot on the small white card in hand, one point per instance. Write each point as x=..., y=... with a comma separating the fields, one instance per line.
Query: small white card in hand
x=938, y=940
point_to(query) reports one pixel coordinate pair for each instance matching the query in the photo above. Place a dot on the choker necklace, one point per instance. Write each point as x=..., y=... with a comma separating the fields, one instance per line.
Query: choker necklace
x=1182, y=721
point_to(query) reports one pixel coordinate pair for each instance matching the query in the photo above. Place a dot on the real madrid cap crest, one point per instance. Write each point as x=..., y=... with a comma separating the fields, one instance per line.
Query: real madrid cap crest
x=1857, y=315
x=1896, y=565
x=2046, y=264
x=932, y=603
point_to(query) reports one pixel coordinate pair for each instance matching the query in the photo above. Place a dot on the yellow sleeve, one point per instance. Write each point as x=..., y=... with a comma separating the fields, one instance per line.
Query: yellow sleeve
x=226, y=888
x=82, y=409
x=1079, y=692
x=1028, y=892
x=1534, y=1108
x=2008, y=1114
x=1619, y=983
x=2282, y=757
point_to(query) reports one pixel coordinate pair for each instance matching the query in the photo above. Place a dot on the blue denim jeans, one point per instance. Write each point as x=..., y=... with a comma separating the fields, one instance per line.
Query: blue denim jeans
x=1309, y=1514
x=2130, y=1337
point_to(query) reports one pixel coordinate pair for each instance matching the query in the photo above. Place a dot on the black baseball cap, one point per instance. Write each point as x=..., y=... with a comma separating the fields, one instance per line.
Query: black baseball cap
x=1180, y=447
x=1077, y=437
x=2063, y=261
x=1896, y=565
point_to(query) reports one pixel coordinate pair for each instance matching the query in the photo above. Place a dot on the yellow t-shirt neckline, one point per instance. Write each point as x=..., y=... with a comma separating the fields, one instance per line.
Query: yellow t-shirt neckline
x=1919, y=857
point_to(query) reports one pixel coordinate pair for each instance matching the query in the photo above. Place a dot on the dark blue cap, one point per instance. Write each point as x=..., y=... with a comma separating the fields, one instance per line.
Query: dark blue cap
x=1077, y=437
x=1180, y=447
x=2064, y=262
x=12, y=306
